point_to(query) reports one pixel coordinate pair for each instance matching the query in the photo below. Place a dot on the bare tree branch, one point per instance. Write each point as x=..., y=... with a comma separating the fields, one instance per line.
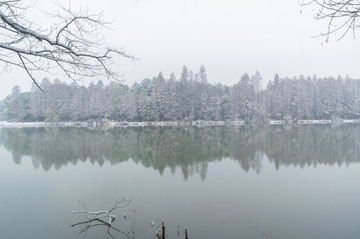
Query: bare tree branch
x=72, y=45
x=101, y=214
x=342, y=15
x=27, y=70
x=95, y=219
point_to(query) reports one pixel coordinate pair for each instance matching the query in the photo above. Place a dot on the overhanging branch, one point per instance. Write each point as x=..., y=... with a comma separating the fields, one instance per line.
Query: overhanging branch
x=72, y=46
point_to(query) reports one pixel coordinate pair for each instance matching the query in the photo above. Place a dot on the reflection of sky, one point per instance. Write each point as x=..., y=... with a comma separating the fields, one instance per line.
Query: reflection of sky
x=290, y=202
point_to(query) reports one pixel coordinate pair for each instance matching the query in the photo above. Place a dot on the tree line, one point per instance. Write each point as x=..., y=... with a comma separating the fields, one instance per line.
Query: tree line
x=189, y=98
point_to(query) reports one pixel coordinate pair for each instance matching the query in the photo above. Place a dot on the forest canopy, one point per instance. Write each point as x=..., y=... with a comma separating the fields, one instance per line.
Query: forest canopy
x=189, y=98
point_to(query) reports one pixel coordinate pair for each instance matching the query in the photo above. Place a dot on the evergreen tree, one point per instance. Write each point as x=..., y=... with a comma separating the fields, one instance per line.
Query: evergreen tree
x=189, y=98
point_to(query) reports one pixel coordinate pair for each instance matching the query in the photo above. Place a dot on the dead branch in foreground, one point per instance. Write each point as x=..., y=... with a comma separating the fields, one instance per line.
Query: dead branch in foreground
x=103, y=218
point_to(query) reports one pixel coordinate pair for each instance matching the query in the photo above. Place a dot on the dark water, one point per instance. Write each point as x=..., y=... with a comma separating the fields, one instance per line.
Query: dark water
x=219, y=182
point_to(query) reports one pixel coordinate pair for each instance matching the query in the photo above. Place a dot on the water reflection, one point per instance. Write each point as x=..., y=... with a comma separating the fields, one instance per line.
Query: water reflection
x=86, y=225
x=189, y=149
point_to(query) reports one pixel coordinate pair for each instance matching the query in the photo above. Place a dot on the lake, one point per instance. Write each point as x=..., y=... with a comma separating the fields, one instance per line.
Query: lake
x=219, y=182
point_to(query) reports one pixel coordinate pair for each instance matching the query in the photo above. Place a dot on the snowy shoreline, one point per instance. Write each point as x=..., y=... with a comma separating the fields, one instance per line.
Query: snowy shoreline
x=104, y=123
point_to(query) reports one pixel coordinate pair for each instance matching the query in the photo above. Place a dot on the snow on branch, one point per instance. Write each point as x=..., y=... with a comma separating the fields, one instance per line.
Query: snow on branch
x=73, y=44
x=342, y=15
x=103, y=214
x=103, y=218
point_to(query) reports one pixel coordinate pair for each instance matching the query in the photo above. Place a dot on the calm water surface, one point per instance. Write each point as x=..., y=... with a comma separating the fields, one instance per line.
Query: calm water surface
x=219, y=182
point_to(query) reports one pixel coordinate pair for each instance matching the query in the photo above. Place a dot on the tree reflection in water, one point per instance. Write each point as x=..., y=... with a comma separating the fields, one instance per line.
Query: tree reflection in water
x=188, y=149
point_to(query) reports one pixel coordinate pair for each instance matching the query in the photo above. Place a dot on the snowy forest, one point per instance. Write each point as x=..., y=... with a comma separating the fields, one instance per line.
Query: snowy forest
x=189, y=98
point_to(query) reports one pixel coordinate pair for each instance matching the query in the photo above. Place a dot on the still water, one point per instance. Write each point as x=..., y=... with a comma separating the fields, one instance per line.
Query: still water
x=219, y=182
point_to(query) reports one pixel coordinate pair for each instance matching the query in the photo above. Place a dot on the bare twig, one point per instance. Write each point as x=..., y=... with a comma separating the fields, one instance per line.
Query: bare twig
x=96, y=218
x=73, y=44
x=342, y=15
x=101, y=214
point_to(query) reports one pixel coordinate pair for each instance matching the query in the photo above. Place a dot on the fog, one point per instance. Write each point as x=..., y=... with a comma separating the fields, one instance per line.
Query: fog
x=229, y=38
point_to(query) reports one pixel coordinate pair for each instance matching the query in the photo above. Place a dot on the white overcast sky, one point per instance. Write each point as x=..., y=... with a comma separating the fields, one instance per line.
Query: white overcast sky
x=228, y=37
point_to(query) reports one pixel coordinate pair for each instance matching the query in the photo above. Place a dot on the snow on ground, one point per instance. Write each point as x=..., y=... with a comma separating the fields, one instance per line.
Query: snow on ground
x=167, y=123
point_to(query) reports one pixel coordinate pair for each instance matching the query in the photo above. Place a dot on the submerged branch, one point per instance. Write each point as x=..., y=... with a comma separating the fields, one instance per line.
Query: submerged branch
x=95, y=218
x=101, y=214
